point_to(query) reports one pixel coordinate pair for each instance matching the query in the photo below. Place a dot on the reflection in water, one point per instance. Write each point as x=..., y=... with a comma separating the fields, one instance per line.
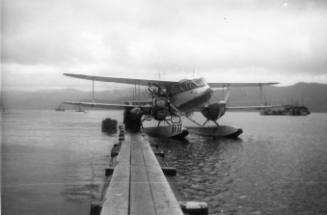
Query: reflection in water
x=204, y=167
x=280, y=170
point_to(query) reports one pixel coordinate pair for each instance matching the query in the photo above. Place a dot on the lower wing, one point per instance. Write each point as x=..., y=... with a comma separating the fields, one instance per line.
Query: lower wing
x=101, y=105
x=259, y=107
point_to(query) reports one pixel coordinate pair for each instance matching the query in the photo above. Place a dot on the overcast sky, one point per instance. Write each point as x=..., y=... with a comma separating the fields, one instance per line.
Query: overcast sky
x=222, y=41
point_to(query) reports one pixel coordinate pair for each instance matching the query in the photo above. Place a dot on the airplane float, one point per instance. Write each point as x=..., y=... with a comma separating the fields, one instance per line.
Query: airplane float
x=172, y=100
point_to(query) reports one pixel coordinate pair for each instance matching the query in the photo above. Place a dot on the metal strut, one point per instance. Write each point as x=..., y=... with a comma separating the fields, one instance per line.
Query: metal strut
x=262, y=98
x=93, y=90
x=215, y=122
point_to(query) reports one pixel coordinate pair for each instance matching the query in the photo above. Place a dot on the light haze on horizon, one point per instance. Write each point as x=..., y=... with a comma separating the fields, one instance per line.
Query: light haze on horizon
x=222, y=41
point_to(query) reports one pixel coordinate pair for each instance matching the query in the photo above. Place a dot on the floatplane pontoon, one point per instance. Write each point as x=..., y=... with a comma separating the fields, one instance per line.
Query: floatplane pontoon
x=171, y=100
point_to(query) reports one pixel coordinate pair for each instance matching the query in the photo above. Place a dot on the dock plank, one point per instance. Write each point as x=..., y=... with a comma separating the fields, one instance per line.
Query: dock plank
x=141, y=201
x=138, y=185
x=117, y=196
x=164, y=200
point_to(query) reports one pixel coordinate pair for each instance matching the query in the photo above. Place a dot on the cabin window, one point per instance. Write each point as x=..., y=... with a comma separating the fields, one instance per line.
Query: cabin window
x=199, y=82
x=186, y=85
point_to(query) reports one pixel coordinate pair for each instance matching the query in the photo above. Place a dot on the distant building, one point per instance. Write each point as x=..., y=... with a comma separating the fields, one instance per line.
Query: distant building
x=293, y=110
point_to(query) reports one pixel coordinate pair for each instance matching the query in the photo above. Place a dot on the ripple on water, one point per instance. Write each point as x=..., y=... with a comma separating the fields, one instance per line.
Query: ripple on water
x=270, y=171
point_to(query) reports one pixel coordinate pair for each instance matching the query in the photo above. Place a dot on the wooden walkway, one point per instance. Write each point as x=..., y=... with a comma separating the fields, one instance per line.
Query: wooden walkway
x=138, y=185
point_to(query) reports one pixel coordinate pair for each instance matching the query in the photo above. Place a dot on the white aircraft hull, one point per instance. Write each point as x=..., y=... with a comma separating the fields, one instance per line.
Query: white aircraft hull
x=187, y=96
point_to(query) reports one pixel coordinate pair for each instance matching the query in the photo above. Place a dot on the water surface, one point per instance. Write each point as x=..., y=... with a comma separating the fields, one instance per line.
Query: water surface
x=53, y=163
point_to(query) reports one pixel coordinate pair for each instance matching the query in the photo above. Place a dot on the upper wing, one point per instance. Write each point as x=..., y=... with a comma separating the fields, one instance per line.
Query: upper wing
x=144, y=82
x=223, y=85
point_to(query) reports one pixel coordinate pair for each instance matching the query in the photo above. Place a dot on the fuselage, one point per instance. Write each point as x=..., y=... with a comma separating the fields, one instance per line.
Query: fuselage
x=188, y=95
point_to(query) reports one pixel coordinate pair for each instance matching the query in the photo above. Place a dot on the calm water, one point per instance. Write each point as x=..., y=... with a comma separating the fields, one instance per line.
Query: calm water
x=53, y=163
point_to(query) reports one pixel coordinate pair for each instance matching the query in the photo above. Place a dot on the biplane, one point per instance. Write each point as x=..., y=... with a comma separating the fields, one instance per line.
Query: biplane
x=171, y=100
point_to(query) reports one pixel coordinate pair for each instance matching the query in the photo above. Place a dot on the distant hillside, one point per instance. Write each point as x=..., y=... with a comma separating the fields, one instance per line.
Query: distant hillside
x=313, y=95
x=50, y=99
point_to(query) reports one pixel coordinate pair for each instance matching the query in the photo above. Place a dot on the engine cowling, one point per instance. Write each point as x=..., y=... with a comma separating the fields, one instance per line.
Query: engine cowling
x=160, y=109
x=214, y=111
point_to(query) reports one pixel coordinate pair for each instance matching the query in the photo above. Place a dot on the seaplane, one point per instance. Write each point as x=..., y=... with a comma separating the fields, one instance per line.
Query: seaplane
x=170, y=101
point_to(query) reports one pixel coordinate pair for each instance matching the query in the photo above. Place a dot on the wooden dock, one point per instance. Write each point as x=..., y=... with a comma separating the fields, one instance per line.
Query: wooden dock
x=138, y=185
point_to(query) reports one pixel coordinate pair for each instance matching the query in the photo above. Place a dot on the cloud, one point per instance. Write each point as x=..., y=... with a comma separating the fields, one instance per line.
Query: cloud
x=257, y=39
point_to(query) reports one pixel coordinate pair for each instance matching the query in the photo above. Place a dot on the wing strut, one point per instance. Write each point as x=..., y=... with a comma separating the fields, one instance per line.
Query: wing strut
x=262, y=97
x=92, y=90
x=180, y=113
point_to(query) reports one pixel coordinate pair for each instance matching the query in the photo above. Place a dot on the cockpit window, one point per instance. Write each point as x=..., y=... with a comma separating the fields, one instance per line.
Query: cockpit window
x=185, y=85
x=199, y=82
